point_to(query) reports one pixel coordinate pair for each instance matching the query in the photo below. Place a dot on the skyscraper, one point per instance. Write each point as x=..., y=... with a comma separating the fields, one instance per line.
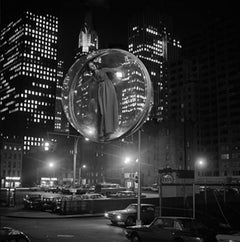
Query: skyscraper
x=61, y=123
x=214, y=52
x=151, y=39
x=88, y=38
x=28, y=74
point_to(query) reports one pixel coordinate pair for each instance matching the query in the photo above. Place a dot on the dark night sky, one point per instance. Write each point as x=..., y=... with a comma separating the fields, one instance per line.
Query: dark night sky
x=110, y=17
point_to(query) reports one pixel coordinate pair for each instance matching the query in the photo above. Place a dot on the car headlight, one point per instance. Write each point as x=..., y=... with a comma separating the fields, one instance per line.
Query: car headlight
x=106, y=215
x=119, y=217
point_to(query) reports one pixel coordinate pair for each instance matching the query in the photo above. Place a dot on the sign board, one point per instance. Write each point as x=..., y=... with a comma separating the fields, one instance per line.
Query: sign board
x=167, y=179
x=73, y=190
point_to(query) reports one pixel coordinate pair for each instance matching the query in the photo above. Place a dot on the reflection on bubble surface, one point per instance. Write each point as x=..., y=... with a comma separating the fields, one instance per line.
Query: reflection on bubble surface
x=107, y=95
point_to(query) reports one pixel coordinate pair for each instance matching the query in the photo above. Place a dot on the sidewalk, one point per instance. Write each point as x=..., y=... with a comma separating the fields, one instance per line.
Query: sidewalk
x=20, y=212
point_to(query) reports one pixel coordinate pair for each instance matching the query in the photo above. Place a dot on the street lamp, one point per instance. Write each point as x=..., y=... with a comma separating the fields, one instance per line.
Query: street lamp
x=80, y=173
x=139, y=222
x=51, y=165
x=199, y=164
x=127, y=160
x=130, y=163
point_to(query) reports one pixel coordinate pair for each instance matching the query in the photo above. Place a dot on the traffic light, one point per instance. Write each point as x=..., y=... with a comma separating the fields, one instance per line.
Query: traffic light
x=136, y=178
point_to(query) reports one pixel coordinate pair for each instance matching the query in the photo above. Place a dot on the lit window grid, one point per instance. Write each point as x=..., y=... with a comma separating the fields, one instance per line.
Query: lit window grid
x=17, y=69
x=31, y=141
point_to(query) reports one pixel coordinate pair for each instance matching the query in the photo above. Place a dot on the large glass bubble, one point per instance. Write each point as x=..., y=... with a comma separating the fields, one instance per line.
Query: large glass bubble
x=107, y=95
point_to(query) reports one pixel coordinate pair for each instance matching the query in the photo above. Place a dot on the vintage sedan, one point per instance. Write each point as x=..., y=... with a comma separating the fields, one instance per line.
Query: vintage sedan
x=234, y=237
x=93, y=196
x=9, y=234
x=128, y=215
x=174, y=229
x=51, y=203
x=32, y=201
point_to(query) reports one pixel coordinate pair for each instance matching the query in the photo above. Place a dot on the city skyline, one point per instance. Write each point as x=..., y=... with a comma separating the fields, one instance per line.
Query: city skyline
x=146, y=40
x=110, y=18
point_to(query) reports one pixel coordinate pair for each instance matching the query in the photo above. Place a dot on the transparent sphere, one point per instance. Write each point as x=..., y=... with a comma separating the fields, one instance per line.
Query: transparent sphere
x=107, y=95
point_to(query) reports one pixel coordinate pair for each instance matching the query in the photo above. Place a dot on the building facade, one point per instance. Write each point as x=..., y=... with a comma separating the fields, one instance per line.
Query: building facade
x=214, y=52
x=151, y=39
x=28, y=77
x=11, y=164
x=88, y=38
x=61, y=123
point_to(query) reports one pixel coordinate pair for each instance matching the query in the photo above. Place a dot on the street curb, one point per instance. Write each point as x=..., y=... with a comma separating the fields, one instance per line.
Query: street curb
x=53, y=217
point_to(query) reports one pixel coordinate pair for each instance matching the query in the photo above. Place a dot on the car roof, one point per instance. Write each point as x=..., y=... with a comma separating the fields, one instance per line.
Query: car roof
x=9, y=231
x=172, y=217
x=142, y=204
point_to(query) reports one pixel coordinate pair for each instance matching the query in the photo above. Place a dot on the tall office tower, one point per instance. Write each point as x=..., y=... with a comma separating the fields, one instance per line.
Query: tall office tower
x=215, y=55
x=87, y=39
x=61, y=123
x=182, y=114
x=150, y=38
x=28, y=75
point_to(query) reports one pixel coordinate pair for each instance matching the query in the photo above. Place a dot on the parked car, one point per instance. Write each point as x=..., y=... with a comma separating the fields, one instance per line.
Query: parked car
x=235, y=237
x=51, y=203
x=32, y=201
x=126, y=194
x=171, y=229
x=128, y=215
x=9, y=234
x=93, y=196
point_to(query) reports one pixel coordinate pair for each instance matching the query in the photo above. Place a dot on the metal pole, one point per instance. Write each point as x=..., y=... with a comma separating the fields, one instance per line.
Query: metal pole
x=194, y=204
x=160, y=195
x=80, y=176
x=205, y=192
x=75, y=161
x=138, y=222
x=224, y=193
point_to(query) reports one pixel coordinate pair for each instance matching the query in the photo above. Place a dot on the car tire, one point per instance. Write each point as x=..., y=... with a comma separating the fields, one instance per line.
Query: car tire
x=129, y=221
x=114, y=222
x=135, y=238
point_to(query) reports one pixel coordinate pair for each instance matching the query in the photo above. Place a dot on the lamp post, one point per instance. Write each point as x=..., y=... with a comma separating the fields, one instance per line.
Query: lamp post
x=139, y=222
x=200, y=164
x=76, y=139
x=130, y=163
x=51, y=166
x=80, y=173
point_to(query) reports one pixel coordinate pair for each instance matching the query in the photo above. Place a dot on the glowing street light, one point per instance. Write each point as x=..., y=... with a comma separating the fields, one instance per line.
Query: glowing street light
x=51, y=164
x=200, y=164
x=80, y=173
x=127, y=160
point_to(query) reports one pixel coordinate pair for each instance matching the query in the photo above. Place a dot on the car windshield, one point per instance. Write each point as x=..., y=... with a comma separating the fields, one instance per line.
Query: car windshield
x=191, y=225
x=132, y=207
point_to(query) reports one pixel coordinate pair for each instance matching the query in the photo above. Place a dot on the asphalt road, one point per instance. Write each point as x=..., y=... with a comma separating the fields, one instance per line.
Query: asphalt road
x=67, y=230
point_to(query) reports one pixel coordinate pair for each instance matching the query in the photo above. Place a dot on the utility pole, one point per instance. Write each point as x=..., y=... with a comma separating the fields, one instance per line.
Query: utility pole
x=76, y=139
x=139, y=222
